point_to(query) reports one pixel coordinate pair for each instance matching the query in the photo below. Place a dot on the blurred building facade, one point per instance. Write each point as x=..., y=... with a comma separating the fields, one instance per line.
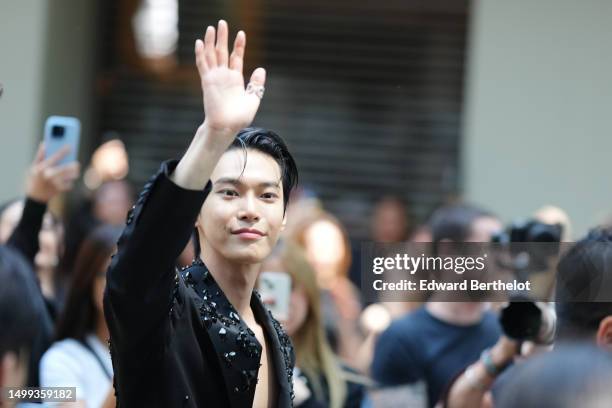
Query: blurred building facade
x=504, y=104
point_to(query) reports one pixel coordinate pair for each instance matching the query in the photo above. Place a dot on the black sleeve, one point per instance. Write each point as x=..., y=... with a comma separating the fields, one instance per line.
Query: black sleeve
x=25, y=237
x=140, y=279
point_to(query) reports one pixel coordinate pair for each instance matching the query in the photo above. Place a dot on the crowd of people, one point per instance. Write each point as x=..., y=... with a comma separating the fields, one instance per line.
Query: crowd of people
x=150, y=300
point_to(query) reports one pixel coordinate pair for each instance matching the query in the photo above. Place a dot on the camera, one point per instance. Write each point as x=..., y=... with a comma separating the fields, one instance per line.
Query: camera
x=525, y=320
x=58, y=131
x=528, y=246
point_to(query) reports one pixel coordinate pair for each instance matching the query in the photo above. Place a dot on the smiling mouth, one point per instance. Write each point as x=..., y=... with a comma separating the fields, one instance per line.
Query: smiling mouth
x=248, y=233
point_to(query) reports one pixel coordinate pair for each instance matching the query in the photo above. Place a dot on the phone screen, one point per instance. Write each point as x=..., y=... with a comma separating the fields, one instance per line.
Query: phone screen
x=275, y=291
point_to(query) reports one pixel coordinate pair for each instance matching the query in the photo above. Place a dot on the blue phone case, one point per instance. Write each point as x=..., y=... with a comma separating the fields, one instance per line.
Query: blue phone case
x=55, y=139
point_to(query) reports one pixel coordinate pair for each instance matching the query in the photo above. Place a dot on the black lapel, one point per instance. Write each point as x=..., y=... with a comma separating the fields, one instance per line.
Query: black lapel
x=236, y=347
x=281, y=349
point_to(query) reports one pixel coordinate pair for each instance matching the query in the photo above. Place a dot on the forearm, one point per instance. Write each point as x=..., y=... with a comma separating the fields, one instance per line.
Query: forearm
x=25, y=236
x=475, y=382
x=196, y=166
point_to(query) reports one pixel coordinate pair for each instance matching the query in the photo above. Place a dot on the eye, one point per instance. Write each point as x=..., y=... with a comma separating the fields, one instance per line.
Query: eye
x=269, y=196
x=228, y=193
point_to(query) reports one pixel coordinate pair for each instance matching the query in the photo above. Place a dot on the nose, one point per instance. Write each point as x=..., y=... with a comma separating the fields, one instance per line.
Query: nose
x=248, y=210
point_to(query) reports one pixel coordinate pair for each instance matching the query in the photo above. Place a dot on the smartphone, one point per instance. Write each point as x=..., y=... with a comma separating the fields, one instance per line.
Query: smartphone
x=62, y=131
x=275, y=291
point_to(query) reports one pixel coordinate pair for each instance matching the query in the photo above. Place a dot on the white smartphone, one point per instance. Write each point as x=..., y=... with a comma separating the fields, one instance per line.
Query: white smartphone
x=275, y=291
x=62, y=131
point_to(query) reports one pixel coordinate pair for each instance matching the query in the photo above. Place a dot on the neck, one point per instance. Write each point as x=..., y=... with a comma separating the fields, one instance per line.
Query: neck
x=45, y=277
x=236, y=279
x=459, y=313
x=102, y=329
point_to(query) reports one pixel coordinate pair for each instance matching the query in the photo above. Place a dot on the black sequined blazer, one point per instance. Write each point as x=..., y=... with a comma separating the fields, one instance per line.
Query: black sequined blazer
x=176, y=341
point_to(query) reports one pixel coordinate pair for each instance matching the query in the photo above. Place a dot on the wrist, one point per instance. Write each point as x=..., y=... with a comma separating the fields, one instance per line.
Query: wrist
x=503, y=351
x=38, y=198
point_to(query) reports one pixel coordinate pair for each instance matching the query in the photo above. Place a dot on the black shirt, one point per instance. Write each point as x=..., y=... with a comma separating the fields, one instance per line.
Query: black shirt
x=421, y=347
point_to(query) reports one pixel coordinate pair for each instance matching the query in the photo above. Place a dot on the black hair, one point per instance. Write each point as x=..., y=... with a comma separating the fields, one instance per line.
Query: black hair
x=568, y=377
x=584, y=285
x=20, y=303
x=79, y=317
x=454, y=222
x=270, y=143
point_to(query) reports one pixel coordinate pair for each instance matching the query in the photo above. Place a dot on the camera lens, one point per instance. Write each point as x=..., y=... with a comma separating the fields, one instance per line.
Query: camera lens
x=57, y=131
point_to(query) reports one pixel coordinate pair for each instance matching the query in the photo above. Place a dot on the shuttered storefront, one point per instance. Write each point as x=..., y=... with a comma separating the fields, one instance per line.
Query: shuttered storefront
x=368, y=95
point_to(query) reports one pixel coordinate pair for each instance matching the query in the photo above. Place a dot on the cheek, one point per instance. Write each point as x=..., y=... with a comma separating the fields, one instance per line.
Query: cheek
x=214, y=218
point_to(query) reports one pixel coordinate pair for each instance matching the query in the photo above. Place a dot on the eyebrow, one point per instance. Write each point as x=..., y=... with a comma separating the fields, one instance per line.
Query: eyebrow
x=237, y=182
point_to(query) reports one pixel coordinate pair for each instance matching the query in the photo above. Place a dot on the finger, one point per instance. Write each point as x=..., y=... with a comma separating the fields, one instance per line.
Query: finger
x=56, y=157
x=258, y=78
x=237, y=56
x=199, y=56
x=70, y=171
x=65, y=171
x=64, y=185
x=40, y=153
x=210, y=54
x=222, y=34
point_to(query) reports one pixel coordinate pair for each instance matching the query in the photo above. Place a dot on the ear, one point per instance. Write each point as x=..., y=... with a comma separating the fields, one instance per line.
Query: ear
x=604, y=333
x=197, y=221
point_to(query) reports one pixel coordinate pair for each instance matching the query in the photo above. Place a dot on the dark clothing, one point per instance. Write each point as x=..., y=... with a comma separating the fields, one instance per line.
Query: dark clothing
x=422, y=347
x=176, y=341
x=25, y=240
x=355, y=393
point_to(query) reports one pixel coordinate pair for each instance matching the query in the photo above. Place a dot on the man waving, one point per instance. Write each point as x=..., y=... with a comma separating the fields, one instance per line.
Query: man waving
x=201, y=336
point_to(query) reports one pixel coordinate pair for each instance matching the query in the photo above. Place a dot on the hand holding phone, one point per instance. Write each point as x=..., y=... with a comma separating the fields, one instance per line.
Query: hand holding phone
x=55, y=168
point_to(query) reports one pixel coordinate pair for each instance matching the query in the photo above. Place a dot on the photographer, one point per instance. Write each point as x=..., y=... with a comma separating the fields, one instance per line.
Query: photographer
x=436, y=341
x=582, y=317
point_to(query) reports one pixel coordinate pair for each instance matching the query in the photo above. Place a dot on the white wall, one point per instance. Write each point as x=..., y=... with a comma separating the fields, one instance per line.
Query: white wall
x=47, y=62
x=538, y=112
x=23, y=25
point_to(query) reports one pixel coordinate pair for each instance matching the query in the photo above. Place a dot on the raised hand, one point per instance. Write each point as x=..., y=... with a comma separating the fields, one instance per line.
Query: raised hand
x=46, y=178
x=228, y=105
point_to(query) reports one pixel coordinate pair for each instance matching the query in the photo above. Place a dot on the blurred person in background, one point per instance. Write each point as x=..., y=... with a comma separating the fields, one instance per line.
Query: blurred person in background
x=108, y=204
x=20, y=304
x=582, y=318
x=568, y=377
x=80, y=357
x=50, y=237
x=37, y=241
x=321, y=380
x=106, y=198
x=390, y=222
x=327, y=248
x=436, y=341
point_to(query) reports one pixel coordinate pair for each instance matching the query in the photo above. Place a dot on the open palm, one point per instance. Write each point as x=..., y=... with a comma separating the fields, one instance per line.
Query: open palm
x=227, y=104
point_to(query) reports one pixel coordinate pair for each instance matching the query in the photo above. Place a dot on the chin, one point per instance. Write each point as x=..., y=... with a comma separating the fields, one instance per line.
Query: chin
x=247, y=255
